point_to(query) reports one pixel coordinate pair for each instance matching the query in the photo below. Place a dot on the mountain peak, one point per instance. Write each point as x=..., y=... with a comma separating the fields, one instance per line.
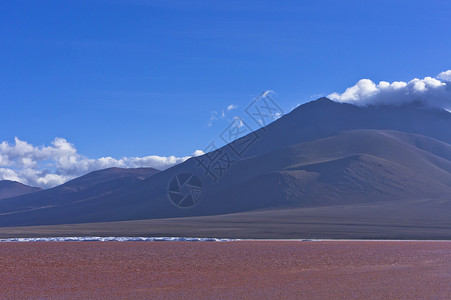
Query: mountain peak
x=322, y=101
x=319, y=103
x=10, y=188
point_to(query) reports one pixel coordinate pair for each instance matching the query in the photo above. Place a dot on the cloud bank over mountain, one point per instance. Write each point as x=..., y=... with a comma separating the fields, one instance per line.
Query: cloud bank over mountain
x=433, y=91
x=48, y=166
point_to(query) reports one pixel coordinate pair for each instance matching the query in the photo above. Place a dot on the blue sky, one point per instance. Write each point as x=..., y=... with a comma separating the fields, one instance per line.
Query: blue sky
x=136, y=78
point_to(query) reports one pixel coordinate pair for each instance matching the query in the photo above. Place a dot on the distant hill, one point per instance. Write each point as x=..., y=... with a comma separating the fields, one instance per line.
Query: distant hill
x=10, y=189
x=78, y=191
x=372, y=160
x=110, y=175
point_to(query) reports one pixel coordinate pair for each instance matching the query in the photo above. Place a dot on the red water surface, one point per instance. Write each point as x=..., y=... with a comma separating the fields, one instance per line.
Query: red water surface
x=219, y=270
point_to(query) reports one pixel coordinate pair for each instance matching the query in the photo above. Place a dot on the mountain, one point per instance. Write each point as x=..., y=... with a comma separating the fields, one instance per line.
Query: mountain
x=109, y=177
x=324, y=117
x=10, y=189
x=388, y=163
x=78, y=191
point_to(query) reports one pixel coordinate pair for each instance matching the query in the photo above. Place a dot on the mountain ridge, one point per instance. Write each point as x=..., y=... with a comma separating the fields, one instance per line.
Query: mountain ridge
x=339, y=159
x=9, y=188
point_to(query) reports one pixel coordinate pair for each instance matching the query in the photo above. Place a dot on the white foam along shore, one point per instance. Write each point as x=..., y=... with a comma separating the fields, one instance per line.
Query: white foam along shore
x=115, y=239
x=190, y=239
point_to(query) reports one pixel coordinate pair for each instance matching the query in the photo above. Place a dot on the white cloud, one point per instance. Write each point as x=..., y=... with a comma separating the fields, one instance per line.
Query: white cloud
x=198, y=153
x=232, y=106
x=214, y=115
x=445, y=76
x=434, y=92
x=267, y=93
x=8, y=174
x=48, y=166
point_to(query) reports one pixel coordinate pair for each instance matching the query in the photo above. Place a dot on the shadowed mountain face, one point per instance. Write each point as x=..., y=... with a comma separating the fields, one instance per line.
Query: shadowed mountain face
x=76, y=192
x=107, y=177
x=323, y=117
x=10, y=189
x=320, y=155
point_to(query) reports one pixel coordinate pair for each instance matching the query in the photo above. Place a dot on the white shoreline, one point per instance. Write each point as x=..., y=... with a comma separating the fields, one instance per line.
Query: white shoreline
x=115, y=239
x=190, y=239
